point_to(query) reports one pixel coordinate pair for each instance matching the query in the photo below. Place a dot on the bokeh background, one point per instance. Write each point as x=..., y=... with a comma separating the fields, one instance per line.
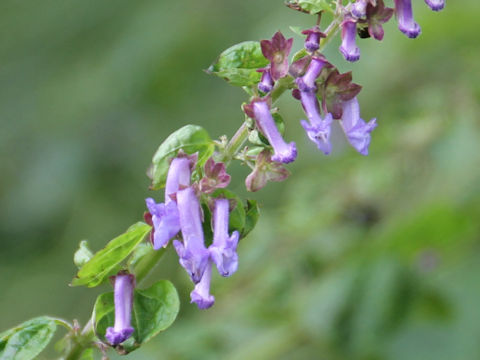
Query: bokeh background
x=353, y=258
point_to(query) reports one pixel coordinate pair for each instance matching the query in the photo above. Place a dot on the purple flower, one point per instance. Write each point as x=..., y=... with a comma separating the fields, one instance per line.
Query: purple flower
x=307, y=81
x=436, y=5
x=260, y=110
x=201, y=294
x=318, y=129
x=193, y=254
x=224, y=247
x=349, y=48
x=266, y=82
x=277, y=50
x=312, y=42
x=406, y=23
x=265, y=170
x=216, y=177
x=355, y=128
x=165, y=219
x=123, y=298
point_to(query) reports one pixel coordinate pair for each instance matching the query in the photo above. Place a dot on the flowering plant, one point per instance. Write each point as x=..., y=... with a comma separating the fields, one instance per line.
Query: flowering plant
x=203, y=220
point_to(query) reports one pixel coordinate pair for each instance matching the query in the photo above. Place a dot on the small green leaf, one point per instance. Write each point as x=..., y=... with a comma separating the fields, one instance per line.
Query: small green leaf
x=27, y=340
x=299, y=54
x=107, y=261
x=83, y=254
x=252, y=213
x=314, y=6
x=297, y=30
x=238, y=64
x=87, y=355
x=154, y=310
x=190, y=139
x=237, y=214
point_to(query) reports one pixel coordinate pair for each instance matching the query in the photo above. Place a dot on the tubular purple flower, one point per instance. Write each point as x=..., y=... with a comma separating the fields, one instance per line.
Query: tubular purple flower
x=283, y=152
x=165, y=219
x=123, y=299
x=318, y=129
x=406, y=23
x=193, y=254
x=435, y=5
x=349, y=48
x=355, y=128
x=201, y=294
x=266, y=82
x=312, y=42
x=224, y=247
x=307, y=81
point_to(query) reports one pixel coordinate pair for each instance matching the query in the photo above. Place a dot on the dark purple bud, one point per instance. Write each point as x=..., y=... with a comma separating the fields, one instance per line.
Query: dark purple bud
x=224, y=247
x=318, y=129
x=312, y=42
x=355, y=128
x=406, y=23
x=123, y=299
x=216, y=177
x=283, y=152
x=266, y=82
x=349, y=48
x=435, y=5
x=265, y=170
x=193, y=254
x=376, y=17
x=201, y=294
x=277, y=51
x=307, y=81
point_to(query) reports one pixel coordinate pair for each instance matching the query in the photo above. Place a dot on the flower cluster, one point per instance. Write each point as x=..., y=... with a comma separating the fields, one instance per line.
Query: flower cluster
x=181, y=217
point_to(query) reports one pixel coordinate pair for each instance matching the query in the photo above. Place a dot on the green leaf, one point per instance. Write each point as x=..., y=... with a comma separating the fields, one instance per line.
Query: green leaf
x=87, y=355
x=190, y=139
x=154, y=310
x=107, y=261
x=27, y=340
x=83, y=254
x=252, y=213
x=238, y=64
x=237, y=214
x=314, y=6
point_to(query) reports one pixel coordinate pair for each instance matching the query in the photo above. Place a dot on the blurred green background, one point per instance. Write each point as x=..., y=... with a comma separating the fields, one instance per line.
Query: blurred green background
x=353, y=258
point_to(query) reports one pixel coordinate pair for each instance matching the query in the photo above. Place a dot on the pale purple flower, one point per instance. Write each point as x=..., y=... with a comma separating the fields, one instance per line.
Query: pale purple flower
x=165, y=219
x=194, y=256
x=312, y=42
x=355, y=128
x=259, y=109
x=201, y=294
x=435, y=5
x=349, y=48
x=318, y=129
x=224, y=247
x=307, y=81
x=406, y=23
x=123, y=299
x=266, y=82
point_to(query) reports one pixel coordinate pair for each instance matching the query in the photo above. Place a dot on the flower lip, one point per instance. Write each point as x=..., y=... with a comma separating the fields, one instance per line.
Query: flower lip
x=436, y=5
x=201, y=293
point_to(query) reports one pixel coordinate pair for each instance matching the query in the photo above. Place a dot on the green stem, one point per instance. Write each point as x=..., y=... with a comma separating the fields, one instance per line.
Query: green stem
x=81, y=342
x=236, y=142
